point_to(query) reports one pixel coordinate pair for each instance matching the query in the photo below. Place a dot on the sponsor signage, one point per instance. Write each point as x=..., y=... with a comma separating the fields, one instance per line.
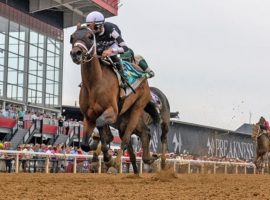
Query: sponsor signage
x=184, y=138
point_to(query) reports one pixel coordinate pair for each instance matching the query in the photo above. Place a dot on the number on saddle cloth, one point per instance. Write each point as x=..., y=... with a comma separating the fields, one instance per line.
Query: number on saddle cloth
x=131, y=73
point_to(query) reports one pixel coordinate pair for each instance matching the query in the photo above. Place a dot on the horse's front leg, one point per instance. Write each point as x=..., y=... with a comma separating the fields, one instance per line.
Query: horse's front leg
x=132, y=157
x=88, y=128
x=108, y=117
x=103, y=131
x=145, y=138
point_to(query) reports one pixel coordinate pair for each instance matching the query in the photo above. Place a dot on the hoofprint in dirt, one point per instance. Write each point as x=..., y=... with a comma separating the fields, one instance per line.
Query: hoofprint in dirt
x=165, y=185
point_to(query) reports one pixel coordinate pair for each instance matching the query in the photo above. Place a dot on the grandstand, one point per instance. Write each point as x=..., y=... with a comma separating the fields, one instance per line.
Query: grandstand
x=31, y=61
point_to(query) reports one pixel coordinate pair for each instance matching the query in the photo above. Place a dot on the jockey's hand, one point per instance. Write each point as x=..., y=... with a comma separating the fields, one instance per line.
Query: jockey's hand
x=107, y=52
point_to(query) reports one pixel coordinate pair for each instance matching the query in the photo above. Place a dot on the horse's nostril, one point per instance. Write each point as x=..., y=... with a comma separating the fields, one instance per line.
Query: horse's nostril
x=78, y=53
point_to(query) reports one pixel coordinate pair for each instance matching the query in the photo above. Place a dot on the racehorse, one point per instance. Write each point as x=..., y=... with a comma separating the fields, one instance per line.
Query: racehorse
x=160, y=118
x=99, y=96
x=262, y=148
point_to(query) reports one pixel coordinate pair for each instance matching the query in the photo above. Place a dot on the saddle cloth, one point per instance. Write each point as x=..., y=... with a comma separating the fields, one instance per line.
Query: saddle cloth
x=133, y=75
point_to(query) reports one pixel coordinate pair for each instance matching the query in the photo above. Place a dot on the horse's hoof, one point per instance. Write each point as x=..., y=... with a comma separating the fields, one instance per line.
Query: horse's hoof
x=94, y=167
x=109, y=163
x=149, y=161
x=85, y=147
x=112, y=170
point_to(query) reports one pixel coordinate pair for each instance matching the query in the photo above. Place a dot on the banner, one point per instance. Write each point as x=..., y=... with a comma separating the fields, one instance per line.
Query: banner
x=184, y=138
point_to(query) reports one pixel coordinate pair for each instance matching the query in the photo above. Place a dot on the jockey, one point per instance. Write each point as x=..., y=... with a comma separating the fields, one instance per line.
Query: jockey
x=108, y=37
x=138, y=60
x=264, y=125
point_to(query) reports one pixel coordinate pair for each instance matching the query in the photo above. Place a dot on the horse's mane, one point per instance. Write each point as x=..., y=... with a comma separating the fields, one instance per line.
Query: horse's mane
x=82, y=28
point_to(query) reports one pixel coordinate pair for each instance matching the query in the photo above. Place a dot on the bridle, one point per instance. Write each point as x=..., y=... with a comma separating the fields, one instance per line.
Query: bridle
x=91, y=52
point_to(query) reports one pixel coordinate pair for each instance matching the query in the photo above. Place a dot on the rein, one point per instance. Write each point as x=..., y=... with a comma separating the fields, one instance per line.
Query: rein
x=88, y=56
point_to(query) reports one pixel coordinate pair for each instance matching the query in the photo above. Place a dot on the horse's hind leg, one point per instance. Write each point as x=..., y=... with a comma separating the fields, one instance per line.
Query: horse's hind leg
x=132, y=157
x=164, y=129
x=103, y=131
x=265, y=161
x=134, y=118
x=145, y=139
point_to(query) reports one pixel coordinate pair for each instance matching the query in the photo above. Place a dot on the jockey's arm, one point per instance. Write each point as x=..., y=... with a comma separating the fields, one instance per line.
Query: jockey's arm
x=122, y=47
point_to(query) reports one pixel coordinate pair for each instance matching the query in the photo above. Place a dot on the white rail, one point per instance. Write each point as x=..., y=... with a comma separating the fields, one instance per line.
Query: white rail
x=15, y=155
x=215, y=165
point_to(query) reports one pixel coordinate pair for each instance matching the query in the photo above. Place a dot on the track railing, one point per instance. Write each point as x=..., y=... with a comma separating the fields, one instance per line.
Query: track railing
x=213, y=167
x=46, y=162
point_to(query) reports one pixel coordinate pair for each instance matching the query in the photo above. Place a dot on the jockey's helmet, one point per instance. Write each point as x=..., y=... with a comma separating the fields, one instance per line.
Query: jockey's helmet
x=95, y=17
x=127, y=56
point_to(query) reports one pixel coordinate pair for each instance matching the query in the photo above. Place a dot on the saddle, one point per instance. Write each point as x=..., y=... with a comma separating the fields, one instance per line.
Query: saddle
x=132, y=75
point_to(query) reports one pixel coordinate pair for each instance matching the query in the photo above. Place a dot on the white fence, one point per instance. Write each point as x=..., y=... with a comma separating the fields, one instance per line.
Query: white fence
x=202, y=166
x=179, y=165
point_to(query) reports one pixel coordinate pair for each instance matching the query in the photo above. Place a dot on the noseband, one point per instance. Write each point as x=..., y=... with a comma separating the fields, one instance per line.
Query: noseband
x=90, y=50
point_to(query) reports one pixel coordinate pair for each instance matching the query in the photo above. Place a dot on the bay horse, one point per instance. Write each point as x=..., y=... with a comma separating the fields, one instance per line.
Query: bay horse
x=149, y=116
x=99, y=96
x=262, y=148
x=160, y=118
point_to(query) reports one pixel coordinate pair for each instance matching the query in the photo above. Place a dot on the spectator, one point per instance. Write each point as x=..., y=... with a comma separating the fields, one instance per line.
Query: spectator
x=5, y=112
x=66, y=125
x=34, y=117
x=8, y=157
x=60, y=125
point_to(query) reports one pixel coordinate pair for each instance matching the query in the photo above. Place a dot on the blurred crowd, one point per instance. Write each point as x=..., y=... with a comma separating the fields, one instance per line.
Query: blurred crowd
x=64, y=127
x=186, y=156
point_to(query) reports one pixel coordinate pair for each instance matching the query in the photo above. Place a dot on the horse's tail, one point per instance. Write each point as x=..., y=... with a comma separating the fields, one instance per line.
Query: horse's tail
x=152, y=111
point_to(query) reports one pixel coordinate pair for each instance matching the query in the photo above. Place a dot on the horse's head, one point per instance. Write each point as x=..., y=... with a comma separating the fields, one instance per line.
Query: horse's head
x=83, y=44
x=261, y=121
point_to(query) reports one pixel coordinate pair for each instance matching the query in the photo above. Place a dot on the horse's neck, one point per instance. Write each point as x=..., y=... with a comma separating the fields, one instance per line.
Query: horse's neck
x=91, y=73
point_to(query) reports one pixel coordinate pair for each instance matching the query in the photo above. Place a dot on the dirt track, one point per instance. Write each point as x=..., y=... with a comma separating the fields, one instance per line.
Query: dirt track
x=163, y=186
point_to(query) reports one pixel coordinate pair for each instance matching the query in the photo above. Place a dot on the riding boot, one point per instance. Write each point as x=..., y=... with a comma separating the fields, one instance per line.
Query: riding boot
x=120, y=68
x=149, y=72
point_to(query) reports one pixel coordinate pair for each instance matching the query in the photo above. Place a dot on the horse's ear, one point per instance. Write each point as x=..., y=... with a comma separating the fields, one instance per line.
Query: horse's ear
x=78, y=25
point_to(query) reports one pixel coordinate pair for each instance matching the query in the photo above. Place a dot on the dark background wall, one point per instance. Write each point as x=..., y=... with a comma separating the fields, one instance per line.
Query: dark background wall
x=205, y=141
